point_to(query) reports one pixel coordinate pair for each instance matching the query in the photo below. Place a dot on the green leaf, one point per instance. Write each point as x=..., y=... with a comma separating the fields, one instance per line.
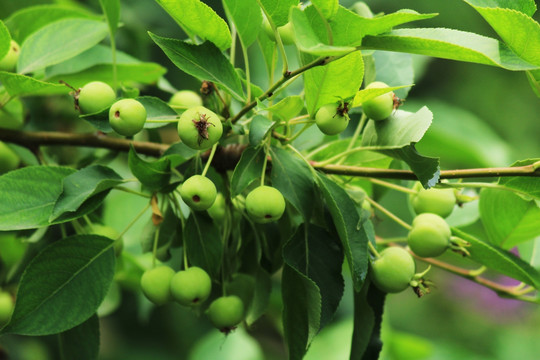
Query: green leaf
x=449, y=44
x=22, y=85
x=278, y=10
x=527, y=186
x=24, y=209
x=364, y=95
x=197, y=18
x=394, y=69
x=169, y=234
x=518, y=30
x=353, y=234
x=5, y=40
x=293, y=178
x=361, y=158
x=111, y=9
x=179, y=153
x=328, y=8
x=156, y=110
x=340, y=79
x=59, y=41
x=301, y=311
x=153, y=175
x=317, y=255
x=26, y=21
x=205, y=62
x=500, y=260
x=368, y=312
x=308, y=40
x=81, y=342
x=425, y=168
x=247, y=18
x=81, y=185
x=248, y=169
x=534, y=81
x=402, y=128
x=12, y=117
x=288, y=107
x=261, y=296
x=75, y=270
x=507, y=229
x=202, y=242
x=258, y=129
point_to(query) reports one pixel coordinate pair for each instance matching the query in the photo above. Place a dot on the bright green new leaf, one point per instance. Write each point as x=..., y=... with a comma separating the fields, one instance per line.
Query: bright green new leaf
x=82, y=341
x=154, y=175
x=449, y=44
x=247, y=18
x=111, y=9
x=80, y=186
x=328, y=8
x=527, y=7
x=205, y=62
x=508, y=228
x=278, y=10
x=22, y=85
x=26, y=21
x=518, y=30
x=59, y=41
x=248, y=169
x=5, y=40
x=288, y=107
x=400, y=129
x=24, y=209
x=353, y=234
x=368, y=94
x=340, y=79
x=527, y=187
x=75, y=270
x=197, y=18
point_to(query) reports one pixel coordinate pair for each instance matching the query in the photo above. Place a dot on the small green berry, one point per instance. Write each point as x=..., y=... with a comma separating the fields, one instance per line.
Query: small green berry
x=329, y=119
x=185, y=99
x=226, y=312
x=95, y=97
x=191, y=287
x=198, y=192
x=429, y=235
x=127, y=117
x=155, y=284
x=8, y=159
x=9, y=61
x=6, y=307
x=199, y=128
x=393, y=270
x=265, y=204
x=436, y=201
x=380, y=107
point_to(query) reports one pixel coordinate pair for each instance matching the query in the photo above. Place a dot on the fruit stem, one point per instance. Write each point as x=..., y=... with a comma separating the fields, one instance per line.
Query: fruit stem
x=393, y=186
x=355, y=136
x=341, y=156
x=295, y=136
x=265, y=162
x=248, y=77
x=480, y=185
x=478, y=271
x=154, y=247
x=128, y=190
x=373, y=250
x=388, y=213
x=209, y=160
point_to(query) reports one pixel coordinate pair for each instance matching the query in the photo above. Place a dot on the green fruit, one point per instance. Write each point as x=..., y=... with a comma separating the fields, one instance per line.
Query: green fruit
x=265, y=204
x=429, y=235
x=191, y=287
x=95, y=97
x=330, y=121
x=198, y=192
x=9, y=61
x=226, y=312
x=127, y=117
x=286, y=32
x=155, y=284
x=110, y=233
x=6, y=307
x=436, y=201
x=380, y=107
x=8, y=159
x=185, y=99
x=393, y=270
x=218, y=210
x=199, y=128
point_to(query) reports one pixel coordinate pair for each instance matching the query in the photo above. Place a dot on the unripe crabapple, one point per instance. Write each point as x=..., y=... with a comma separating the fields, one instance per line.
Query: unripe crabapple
x=265, y=204
x=198, y=192
x=127, y=117
x=393, y=270
x=380, y=107
x=199, y=128
x=95, y=96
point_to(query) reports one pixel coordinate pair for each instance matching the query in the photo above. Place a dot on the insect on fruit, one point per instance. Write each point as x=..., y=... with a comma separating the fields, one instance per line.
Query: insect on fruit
x=202, y=127
x=397, y=102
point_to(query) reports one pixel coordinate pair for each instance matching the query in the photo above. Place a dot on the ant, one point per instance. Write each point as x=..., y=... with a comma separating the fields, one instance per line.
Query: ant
x=202, y=126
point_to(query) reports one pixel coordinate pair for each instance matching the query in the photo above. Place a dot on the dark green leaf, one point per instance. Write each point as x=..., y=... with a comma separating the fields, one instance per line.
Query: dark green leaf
x=449, y=44
x=156, y=110
x=202, y=242
x=247, y=18
x=261, y=296
x=507, y=229
x=293, y=178
x=425, y=168
x=317, y=255
x=75, y=270
x=205, y=62
x=197, y=18
x=111, y=9
x=80, y=186
x=258, y=129
x=99, y=120
x=170, y=233
x=353, y=234
x=153, y=175
x=29, y=195
x=500, y=260
x=179, y=153
x=81, y=342
x=59, y=41
x=248, y=169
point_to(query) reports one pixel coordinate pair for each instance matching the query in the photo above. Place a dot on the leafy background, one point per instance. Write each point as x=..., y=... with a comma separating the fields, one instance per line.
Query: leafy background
x=482, y=117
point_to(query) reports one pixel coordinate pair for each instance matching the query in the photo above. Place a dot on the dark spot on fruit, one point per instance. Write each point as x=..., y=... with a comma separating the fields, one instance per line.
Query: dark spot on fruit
x=196, y=300
x=117, y=113
x=15, y=49
x=196, y=198
x=267, y=216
